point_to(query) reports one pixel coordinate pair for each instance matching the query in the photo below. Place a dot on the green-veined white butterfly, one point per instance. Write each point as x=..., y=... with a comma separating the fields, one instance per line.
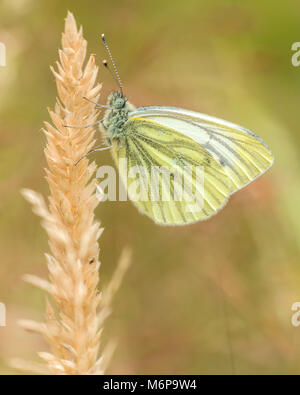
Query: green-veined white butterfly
x=230, y=155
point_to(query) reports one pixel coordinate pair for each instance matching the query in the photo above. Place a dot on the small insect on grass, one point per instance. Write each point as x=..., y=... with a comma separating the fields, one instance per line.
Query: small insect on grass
x=166, y=137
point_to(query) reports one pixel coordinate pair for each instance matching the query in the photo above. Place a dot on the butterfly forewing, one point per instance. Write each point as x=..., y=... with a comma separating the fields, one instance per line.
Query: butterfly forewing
x=242, y=154
x=179, y=181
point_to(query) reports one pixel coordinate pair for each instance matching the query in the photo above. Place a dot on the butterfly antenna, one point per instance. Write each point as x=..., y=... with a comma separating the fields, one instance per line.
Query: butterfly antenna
x=105, y=64
x=117, y=76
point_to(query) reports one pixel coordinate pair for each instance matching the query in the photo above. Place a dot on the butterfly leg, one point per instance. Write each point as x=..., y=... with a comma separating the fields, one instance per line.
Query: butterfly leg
x=94, y=150
x=98, y=105
x=85, y=126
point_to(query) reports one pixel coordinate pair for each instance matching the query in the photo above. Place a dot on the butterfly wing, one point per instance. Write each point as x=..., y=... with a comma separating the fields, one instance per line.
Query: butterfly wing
x=175, y=197
x=243, y=155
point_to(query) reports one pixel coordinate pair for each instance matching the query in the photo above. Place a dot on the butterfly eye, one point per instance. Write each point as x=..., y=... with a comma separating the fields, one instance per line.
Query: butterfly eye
x=119, y=103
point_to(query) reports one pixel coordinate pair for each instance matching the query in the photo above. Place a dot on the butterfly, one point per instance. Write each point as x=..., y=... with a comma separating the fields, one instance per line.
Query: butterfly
x=180, y=142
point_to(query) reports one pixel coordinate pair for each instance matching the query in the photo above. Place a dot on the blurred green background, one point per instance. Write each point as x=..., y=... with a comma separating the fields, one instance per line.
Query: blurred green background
x=213, y=297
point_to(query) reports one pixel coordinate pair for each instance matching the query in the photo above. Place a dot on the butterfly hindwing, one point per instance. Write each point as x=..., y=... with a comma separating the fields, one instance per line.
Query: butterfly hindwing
x=170, y=166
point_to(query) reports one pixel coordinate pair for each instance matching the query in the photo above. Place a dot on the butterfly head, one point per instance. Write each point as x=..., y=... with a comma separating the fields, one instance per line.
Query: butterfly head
x=117, y=101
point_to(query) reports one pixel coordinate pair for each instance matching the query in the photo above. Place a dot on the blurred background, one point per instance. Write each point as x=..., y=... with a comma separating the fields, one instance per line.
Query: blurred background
x=213, y=297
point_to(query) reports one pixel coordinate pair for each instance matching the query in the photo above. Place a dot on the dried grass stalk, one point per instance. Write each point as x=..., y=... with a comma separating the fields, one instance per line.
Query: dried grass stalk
x=73, y=327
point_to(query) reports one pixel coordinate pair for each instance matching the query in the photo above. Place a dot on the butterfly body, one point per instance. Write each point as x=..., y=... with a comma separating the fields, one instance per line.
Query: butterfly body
x=116, y=117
